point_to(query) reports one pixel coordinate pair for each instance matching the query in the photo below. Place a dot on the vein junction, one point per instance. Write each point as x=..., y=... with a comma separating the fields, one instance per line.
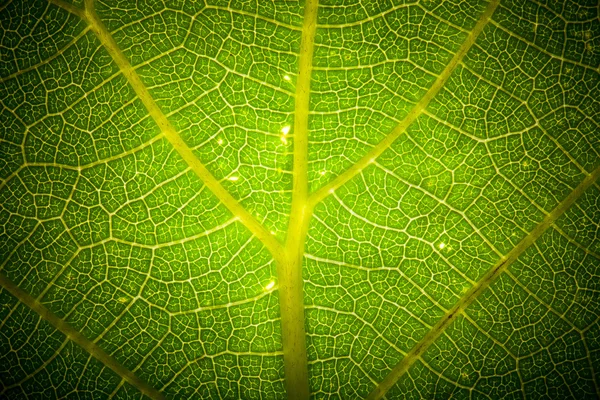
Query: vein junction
x=289, y=256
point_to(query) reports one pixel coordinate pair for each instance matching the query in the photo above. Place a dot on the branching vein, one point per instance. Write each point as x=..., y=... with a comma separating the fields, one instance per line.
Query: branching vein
x=173, y=136
x=416, y=111
x=74, y=335
x=502, y=265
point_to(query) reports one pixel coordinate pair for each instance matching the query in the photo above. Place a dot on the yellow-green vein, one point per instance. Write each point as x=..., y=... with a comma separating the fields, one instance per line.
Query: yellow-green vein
x=257, y=229
x=72, y=334
x=289, y=271
x=414, y=113
x=502, y=265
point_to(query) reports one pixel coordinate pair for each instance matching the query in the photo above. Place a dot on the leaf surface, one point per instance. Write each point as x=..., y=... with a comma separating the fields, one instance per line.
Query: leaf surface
x=271, y=199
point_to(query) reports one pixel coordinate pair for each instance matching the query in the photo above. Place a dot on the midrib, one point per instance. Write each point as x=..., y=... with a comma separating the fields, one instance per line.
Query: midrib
x=289, y=272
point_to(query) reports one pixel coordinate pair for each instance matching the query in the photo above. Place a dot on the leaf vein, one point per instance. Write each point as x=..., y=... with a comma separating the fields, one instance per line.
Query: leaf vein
x=320, y=194
x=502, y=265
x=76, y=337
x=259, y=231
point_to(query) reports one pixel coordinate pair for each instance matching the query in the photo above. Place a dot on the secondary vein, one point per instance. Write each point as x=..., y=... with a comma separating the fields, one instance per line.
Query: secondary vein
x=72, y=334
x=319, y=195
x=502, y=265
x=257, y=229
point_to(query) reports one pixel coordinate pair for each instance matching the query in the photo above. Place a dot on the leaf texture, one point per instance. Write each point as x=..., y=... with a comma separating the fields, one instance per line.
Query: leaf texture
x=335, y=199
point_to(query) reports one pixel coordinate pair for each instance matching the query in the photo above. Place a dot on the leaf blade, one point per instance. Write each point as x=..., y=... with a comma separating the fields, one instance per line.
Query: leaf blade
x=77, y=338
x=500, y=267
x=173, y=137
x=415, y=112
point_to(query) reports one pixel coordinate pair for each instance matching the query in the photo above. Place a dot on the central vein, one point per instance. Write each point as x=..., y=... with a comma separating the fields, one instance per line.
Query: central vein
x=289, y=271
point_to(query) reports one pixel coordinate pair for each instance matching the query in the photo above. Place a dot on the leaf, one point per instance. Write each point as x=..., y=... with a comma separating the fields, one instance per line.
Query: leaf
x=272, y=199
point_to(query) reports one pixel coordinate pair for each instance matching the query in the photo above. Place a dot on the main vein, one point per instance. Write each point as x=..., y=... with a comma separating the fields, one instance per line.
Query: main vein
x=73, y=335
x=289, y=272
x=257, y=229
x=502, y=265
x=414, y=113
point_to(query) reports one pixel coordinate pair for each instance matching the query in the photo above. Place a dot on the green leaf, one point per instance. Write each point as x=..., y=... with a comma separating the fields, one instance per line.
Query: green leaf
x=345, y=199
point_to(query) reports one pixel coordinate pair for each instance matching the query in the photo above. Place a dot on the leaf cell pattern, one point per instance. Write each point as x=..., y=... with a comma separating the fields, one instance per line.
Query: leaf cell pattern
x=254, y=199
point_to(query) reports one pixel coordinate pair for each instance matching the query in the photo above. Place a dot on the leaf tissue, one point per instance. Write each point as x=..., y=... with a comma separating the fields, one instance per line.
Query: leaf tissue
x=334, y=199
